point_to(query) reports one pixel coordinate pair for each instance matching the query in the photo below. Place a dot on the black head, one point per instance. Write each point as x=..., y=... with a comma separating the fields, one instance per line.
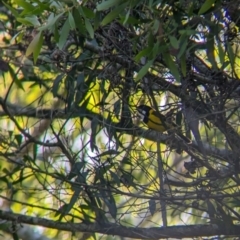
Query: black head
x=143, y=112
x=143, y=109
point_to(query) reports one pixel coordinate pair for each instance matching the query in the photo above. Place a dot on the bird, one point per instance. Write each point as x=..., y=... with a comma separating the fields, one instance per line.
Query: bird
x=157, y=121
x=153, y=119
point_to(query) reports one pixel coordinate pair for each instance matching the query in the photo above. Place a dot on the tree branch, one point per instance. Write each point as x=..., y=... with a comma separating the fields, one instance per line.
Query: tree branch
x=114, y=229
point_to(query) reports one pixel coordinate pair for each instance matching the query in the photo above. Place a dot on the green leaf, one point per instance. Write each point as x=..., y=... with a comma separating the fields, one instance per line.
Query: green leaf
x=25, y=21
x=43, y=6
x=79, y=20
x=231, y=54
x=25, y=5
x=126, y=160
x=108, y=152
x=81, y=88
x=89, y=28
x=13, y=11
x=152, y=206
x=155, y=26
x=183, y=66
x=127, y=16
x=206, y=6
x=174, y=42
x=64, y=34
x=115, y=178
x=35, y=146
x=56, y=84
x=15, y=236
x=109, y=127
x=155, y=50
x=56, y=34
x=35, y=46
x=64, y=210
x=107, y=4
x=187, y=32
x=51, y=21
x=144, y=53
x=179, y=116
x=143, y=71
x=127, y=180
x=77, y=167
x=33, y=20
x=88, y=12
x=97, y=20
x=183, y=47
x=80, y=79
x=16, y=80
x=38, y=48
x=211, y=210
x=111, y=15
x=221, y=54
x=94, y=126
x=171, y=65
x=117, y=107
x=110, y=202
x=112, y=208
x=71, y=21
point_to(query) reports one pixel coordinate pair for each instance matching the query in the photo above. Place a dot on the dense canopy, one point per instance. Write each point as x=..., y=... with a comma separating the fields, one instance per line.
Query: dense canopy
x=75, y=157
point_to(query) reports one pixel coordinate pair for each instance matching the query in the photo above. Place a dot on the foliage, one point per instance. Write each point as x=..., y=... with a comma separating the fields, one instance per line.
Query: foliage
x=72, y=147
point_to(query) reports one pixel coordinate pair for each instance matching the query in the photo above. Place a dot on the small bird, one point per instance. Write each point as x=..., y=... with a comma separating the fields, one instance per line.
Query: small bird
x=154, y=120
x=157, y=121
